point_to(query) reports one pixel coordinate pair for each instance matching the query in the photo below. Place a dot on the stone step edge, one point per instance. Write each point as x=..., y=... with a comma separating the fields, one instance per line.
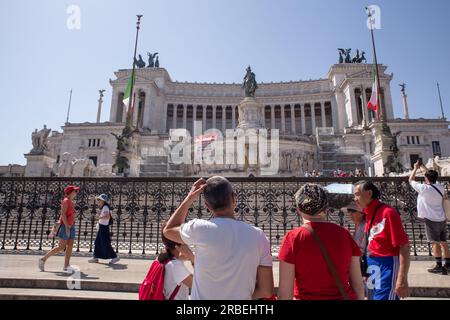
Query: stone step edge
x=57, y=284
x=53, y=294
x=130, y=287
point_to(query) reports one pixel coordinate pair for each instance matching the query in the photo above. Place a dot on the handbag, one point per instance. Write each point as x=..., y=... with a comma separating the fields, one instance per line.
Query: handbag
x=445, y=203
x=330, y=264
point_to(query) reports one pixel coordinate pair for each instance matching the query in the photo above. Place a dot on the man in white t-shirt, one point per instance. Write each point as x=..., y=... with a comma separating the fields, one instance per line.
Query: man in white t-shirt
x=430, y=208
x=233, y=260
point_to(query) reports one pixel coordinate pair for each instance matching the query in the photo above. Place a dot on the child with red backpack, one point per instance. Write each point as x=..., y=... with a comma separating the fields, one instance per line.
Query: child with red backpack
x=168, y=277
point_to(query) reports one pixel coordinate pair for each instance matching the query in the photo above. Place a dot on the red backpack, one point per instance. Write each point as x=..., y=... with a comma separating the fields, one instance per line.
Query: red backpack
x=152, y=288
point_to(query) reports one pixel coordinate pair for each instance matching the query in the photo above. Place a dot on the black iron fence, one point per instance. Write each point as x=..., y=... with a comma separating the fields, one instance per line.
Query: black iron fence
x=30, y=207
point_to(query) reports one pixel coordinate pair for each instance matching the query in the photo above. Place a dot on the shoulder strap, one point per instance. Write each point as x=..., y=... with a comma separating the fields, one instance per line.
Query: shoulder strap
x=330, y=264
x=370, y=227
x=437, y=190
x=174, y=293
x=177, y=288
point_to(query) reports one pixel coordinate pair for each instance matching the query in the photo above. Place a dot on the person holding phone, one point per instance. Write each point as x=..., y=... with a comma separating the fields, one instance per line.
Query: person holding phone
x=429, y=208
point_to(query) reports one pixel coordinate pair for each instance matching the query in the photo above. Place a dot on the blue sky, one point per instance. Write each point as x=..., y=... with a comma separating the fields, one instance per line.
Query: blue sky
x=205, y=41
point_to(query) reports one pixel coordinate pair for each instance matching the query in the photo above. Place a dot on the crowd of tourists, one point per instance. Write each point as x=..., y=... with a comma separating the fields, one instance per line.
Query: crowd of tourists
x=319, y=260
x=338, y=173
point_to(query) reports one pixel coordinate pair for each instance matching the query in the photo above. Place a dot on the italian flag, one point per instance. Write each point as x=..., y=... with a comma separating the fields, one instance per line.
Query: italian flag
x=127, y=101
x=373, y=103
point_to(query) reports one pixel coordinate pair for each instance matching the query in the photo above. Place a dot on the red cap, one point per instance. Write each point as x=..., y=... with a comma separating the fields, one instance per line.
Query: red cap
x=69, y=189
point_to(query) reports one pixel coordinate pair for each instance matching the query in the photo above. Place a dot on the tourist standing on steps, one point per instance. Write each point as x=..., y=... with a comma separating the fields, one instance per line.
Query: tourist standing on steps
x=233, y=259
x=319, y=260
x=388, y=245
x=429, y=208
x=102, y=247
x=66, y=232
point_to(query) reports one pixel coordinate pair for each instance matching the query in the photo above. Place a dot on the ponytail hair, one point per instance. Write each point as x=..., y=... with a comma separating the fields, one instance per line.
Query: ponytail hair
x=169, y=245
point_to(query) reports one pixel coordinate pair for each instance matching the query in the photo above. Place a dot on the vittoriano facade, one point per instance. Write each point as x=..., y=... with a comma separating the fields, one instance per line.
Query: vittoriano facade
x=30, y=206
x=322, y=124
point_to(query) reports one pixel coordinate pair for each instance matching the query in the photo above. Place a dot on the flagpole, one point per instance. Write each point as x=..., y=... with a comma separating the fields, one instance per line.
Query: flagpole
x=128, y=124
x=68, y=109
x=382, y=107
x=440, y=100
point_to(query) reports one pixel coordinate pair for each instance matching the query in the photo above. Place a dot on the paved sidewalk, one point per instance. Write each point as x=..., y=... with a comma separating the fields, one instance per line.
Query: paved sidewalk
x=21, y=271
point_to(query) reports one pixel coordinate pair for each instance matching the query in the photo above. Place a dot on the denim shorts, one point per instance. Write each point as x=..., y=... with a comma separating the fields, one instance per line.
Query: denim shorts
x=62, y=233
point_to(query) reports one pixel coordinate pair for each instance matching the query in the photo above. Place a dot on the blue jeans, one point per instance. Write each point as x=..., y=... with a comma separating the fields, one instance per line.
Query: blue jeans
x=62, y=233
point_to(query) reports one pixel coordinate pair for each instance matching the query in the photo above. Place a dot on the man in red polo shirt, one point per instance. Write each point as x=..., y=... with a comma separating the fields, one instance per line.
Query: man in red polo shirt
x=388, y=245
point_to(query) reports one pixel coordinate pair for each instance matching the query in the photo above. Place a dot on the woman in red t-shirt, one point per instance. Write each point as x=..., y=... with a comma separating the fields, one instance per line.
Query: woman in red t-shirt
x=66, y=232
x=304, y=272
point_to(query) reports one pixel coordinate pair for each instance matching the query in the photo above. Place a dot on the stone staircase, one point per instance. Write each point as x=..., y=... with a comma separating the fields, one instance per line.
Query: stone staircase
x=154, y=166
x=331, y=155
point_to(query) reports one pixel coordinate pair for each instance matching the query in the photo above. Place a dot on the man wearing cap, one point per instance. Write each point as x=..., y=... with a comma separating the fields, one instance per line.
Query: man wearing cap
x=359, y=219
x=66, y=232
x=388, y=245
x=304, y=275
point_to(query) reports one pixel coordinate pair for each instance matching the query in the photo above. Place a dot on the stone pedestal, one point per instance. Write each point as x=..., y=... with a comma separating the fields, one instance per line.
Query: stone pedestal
x=135, y=166
x=39, y=165
x=250, y=114
x=383, y=149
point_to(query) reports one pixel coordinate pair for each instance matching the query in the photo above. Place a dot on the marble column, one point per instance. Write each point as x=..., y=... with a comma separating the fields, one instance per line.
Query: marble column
x=364, y=106
x=124, y=113
x=313, y=118
x=233, y=116
x=148, y=112
x=224, y=119
x=184, y=116
x=204, y=118
x=302, y=110
x=353, y=107
x=263, y=116
x=214, y=117
x=322, y=112
x=293, y=118
x=405, y=106
x=334, y=114
x=174, y=120
x=283, y=118
x=388, y=101
x=136, y=102
x=114, y=104
x=272, y=116
x=194, y=116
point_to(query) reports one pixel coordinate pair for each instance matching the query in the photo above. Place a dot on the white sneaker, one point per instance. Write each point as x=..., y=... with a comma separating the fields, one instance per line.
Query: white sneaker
x=115, y=260
x=69, y=269
x=41, y=264
x=93, y=260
